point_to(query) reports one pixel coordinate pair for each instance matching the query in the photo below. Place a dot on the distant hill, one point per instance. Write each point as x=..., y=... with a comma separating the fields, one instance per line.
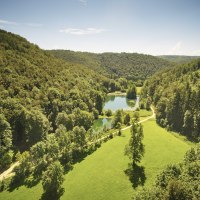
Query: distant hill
x=178, y=59
x=133, y=66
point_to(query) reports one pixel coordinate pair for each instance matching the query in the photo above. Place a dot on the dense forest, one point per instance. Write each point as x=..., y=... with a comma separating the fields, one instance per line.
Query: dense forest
x=50, y=99
x=132, y=66
x=179, y=59
x=40, y=92
x=176, y=95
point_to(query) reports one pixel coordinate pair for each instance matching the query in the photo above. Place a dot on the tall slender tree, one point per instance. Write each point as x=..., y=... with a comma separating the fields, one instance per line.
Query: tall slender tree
x=135, y=149
x=52, y=180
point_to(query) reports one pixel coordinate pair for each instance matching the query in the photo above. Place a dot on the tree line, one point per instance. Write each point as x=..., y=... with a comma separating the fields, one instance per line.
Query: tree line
x=176, y=95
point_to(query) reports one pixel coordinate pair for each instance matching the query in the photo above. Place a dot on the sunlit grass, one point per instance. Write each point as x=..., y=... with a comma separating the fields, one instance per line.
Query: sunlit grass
x=101, y=174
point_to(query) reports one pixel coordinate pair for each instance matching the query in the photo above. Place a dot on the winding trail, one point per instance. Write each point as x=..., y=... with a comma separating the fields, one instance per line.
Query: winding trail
x=9, y=172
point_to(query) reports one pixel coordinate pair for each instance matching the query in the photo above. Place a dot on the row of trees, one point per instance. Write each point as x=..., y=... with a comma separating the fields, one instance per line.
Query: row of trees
x=176, y=94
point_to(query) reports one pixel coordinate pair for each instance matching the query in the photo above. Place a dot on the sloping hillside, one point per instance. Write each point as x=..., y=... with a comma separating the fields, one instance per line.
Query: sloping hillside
x=37, y=88
x=176, y=94
x=133, y=66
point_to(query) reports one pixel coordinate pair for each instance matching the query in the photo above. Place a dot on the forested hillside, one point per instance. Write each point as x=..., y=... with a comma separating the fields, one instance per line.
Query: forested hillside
x=39, y=92
x=179, y=59
x=133, y=66
x=176, y=95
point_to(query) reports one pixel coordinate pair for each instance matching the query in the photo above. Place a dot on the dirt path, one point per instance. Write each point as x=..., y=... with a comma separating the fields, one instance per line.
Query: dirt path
x=8, y=172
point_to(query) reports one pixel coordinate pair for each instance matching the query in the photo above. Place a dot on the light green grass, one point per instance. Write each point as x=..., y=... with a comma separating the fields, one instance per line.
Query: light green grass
x=143, y=113
x=101, y=175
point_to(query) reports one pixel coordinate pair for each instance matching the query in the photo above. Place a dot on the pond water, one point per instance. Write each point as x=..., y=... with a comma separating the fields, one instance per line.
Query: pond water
x=114, y=103
x=120, y=102
x=100, y=123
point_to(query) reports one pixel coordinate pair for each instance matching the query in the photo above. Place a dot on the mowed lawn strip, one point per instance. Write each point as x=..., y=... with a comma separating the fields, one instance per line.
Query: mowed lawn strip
x=101, y=175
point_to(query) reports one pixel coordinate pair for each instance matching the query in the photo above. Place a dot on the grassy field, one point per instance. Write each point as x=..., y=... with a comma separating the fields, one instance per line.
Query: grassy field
x=101, y=175
x=143, y=113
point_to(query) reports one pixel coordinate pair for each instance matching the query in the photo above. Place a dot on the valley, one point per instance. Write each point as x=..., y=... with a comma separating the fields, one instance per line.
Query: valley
x=92, y=126
x=101, y=175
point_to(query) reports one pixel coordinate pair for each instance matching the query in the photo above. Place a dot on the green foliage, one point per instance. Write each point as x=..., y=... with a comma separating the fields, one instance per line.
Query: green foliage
x=108, y=113
x=176, y=95
x=127, y=119
x=136, y=117
x=180, y=181
x=132, y=66
x=105, y=167
x=5, y=143
x=79, y=136
x=6, y=159
x=24, y=169
x=40, y=92
x=52, y=180
x=117, y=118
x=135, y=149
x=99, y=103
x=95, y=113
x=131, y=92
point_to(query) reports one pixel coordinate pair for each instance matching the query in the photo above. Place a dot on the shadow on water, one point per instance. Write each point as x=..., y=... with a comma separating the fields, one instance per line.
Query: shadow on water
x=136, y=175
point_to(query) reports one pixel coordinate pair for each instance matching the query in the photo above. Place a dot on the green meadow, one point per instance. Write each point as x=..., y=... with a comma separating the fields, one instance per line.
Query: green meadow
x=101, y=175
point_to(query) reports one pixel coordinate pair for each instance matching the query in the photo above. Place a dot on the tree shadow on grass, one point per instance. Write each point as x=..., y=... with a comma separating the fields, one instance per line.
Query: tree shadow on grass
x=19, y=180
x=15, y=182
x=32, y=181
x=52, y=195
x=136, y=175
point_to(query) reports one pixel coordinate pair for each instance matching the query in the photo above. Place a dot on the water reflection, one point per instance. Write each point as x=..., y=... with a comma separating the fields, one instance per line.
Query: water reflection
x=114, y=103
x=119, y=102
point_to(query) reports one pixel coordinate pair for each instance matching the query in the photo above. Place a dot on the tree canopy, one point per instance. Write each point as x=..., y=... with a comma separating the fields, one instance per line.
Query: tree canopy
x=132, y=66
x=176, y=95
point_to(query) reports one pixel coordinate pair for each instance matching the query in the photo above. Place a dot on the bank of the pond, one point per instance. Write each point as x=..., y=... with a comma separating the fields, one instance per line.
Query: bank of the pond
x=102, y=123
x=114, y=102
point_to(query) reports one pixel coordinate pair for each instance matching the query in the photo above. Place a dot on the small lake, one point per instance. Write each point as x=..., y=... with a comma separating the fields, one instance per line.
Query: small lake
x=120, y=102
x=114, y=102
